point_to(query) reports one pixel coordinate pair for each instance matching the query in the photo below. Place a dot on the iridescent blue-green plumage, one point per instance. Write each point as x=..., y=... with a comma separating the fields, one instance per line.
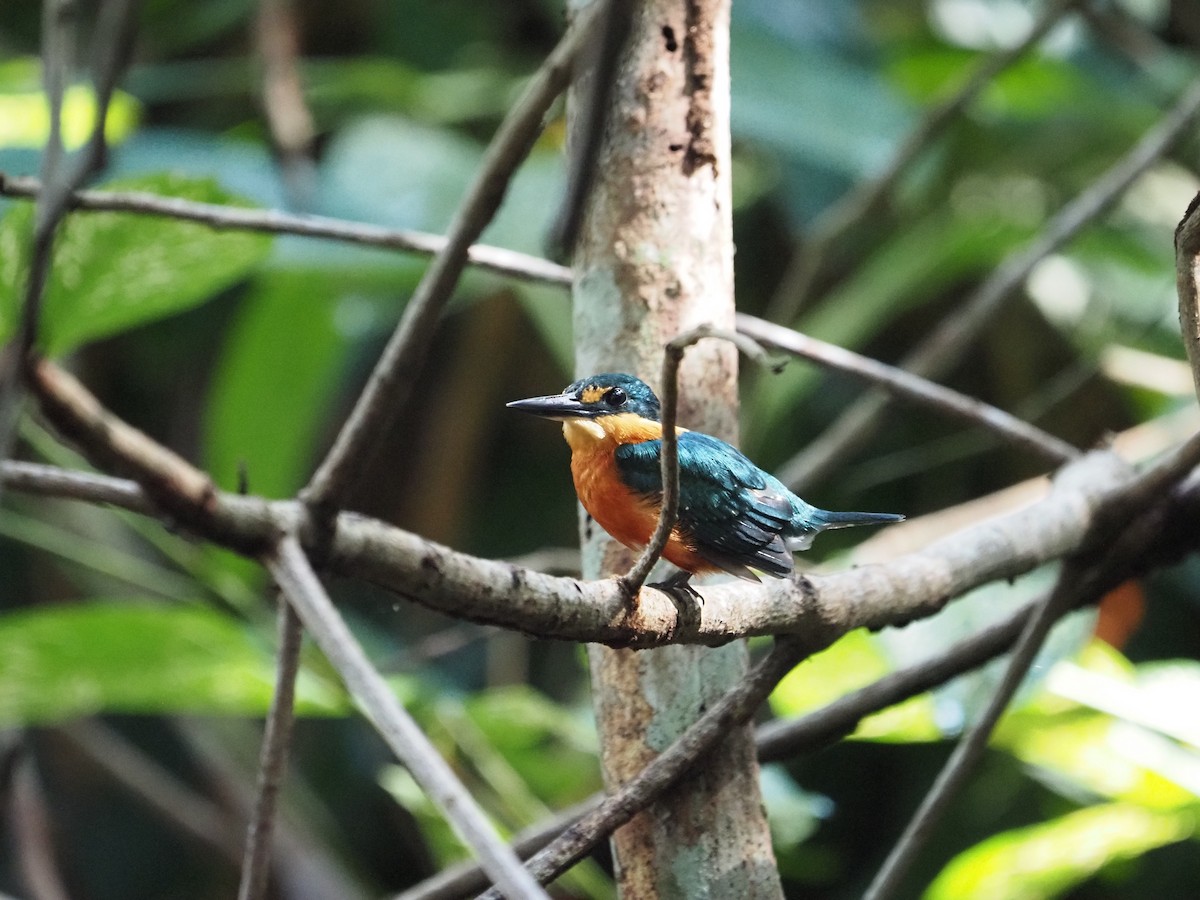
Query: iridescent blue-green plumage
x=732, y=515
x=738, y=515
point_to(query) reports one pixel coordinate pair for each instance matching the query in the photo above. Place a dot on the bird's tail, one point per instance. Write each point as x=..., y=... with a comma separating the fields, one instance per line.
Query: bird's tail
x=813, y=521
x=826, y=520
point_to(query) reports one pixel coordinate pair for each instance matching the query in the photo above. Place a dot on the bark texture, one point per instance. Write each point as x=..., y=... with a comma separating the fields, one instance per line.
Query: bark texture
x=654, y=259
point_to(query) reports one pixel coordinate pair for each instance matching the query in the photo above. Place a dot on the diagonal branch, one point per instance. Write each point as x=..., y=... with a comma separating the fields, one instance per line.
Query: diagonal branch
x=946, y=345
x=111, y=41
x=780, y=739
x=633, y=580
x=272, y=766
x=901, y=383
x=300, y=585
x=868, y=196
x=1128, y=535
x=820, y=607
x=390, y=383
x=734, y=708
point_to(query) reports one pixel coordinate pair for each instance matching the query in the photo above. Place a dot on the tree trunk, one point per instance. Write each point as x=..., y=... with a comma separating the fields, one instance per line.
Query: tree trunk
x=655, y=258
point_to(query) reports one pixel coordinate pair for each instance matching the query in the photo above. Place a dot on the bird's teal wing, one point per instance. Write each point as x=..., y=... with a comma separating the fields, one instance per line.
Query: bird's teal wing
x=730, y=510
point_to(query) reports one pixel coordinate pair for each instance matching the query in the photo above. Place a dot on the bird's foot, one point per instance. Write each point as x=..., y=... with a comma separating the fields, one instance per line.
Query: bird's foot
x=679, y=586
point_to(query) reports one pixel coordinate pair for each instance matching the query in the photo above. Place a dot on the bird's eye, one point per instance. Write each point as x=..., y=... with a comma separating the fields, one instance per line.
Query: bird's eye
x=615, y=397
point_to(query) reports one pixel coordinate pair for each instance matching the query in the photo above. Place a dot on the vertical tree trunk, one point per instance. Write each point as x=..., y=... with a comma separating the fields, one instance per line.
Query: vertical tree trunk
x=655, y=258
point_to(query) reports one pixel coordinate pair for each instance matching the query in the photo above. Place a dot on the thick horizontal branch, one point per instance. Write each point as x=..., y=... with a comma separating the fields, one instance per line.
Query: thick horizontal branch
x=822, y=607
x=269, y=221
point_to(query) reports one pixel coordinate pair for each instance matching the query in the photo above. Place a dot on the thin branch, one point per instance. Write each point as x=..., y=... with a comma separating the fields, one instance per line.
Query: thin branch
x=734, y=708
x=593, y=104
x=390, y=382
x=467, y=878
x=867, y=196
x=499, y=593
x=946, y=345
x=288, y=116
x=780, y=739
x=158, y=789
x=218, y=216
x=1120, y=516
x=295, y=577
x=52, y=481
x=111, y=40
x=968, y=751
x=272, y=767
x=30, y=824
x=912, y=387
x=633, y=580
x=1187, y=281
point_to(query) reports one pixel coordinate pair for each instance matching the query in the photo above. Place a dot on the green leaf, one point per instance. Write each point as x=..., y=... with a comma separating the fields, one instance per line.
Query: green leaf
x=1046, y=860
x=114, y=271
x=555, y=753
x=137, y=657
x=274, y=382
x=25, y=118
x=813, y=105
x=852, y=663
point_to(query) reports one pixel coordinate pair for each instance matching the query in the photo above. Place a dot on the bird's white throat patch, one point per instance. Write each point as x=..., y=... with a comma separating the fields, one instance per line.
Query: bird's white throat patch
x=583, y=432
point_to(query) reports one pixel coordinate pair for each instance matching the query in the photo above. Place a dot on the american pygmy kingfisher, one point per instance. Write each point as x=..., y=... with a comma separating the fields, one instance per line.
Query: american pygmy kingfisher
x=733, y=516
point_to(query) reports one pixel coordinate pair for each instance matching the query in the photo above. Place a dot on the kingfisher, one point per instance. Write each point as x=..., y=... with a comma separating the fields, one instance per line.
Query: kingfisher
x=733, y=516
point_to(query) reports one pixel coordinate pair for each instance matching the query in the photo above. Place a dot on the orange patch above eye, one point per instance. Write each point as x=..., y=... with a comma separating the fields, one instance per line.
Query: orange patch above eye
x=592, y=393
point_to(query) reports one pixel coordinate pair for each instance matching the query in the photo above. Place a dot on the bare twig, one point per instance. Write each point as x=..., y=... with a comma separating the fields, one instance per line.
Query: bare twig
x=290, y=122
x=780, y=739
x=256, y=864
x=389, y=384
x=215, y=215
x=111, y=41
x=467, y=878
x=295, y=577
x=1187, y=280
x=633, y=580
x=51, y=481
x=29, y=823
x=867, y=196
x=158, y=789
x=734, y=708
x=601, y=58
x=912, y=387
x=1119, y=516
x=499, y=593
x=946, y=345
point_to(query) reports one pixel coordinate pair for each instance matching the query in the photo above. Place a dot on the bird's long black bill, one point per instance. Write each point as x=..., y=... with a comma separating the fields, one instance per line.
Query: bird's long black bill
x=557, y=406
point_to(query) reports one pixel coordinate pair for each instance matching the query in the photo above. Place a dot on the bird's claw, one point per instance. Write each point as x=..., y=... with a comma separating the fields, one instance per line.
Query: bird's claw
x=679, y=586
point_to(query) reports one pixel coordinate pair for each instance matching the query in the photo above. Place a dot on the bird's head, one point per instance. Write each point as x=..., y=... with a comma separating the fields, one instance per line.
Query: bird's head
x=595, y=397
x=601, y=409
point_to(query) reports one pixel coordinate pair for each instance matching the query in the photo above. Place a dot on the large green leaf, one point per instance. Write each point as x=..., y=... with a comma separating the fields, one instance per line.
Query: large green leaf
x=275, y=378
x=1045, y=860
x=113, y=271
x=131, y=657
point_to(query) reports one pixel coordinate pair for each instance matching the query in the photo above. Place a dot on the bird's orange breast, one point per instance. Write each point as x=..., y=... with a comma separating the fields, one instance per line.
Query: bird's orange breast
x=629, y=517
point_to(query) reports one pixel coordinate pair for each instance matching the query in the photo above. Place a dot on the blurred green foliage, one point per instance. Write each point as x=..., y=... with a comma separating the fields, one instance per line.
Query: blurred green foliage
x=244, y=352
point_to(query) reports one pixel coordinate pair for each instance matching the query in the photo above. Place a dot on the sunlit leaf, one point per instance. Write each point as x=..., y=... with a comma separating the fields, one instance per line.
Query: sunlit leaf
x=113, y=271
x=66, y=661
x=1043, y=861
x=25, y=118
x=854, y=662
x=552, y=750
